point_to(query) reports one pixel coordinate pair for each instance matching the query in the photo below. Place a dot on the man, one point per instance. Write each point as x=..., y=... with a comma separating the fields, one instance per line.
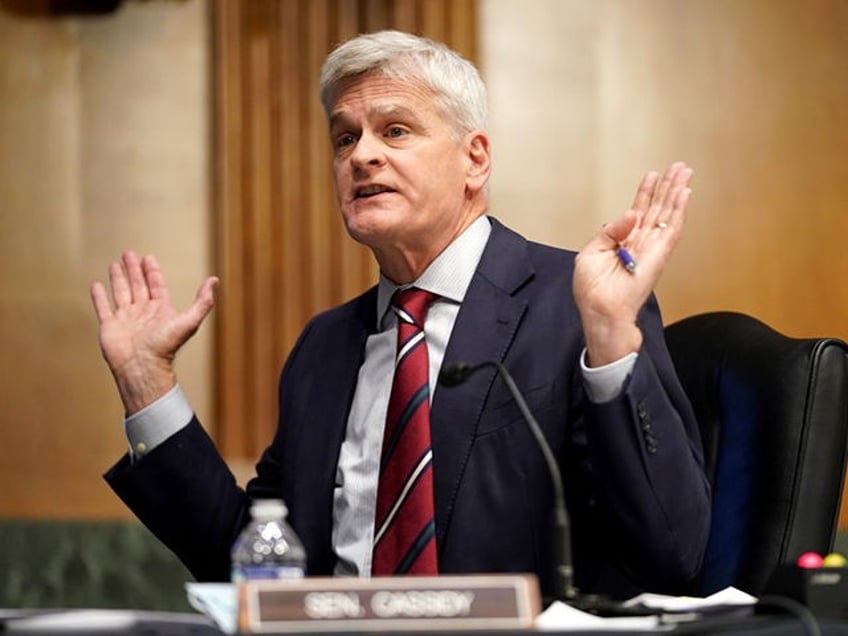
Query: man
x=581, y=335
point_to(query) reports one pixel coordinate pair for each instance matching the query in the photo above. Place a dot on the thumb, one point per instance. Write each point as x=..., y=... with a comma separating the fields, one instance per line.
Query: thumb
x=619, y=229
x=204, y=301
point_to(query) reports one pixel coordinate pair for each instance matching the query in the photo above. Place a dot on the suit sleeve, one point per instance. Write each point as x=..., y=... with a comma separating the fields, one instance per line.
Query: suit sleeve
x=187, y=496
x=646, y=464
x=185, y=493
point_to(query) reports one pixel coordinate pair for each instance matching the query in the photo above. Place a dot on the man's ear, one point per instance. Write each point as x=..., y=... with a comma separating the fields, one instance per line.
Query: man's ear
x=479, y=160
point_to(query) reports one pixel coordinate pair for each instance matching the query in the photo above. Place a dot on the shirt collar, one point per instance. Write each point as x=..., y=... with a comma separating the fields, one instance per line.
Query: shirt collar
x=450, y=273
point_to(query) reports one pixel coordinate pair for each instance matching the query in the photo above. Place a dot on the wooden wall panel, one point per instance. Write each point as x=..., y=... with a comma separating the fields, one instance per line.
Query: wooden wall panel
x=104, y=146
x=282, y=251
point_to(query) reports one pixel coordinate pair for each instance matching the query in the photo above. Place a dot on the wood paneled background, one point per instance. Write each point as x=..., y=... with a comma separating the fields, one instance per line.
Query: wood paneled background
x=193, y=130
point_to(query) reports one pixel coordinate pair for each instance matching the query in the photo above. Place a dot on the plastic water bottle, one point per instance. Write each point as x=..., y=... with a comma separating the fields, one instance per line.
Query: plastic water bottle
x=268, y=547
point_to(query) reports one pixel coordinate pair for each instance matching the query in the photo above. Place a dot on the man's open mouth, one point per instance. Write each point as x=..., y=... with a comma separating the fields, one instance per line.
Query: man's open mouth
x=370, y=191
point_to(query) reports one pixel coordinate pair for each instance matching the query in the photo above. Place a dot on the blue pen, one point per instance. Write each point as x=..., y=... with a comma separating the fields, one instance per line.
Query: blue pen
x=626, y=259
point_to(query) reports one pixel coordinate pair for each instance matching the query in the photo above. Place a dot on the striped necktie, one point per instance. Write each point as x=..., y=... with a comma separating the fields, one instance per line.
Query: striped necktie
x=404, y=529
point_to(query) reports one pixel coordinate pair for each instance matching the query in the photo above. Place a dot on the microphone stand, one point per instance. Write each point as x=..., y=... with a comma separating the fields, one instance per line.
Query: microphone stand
x=564, y=573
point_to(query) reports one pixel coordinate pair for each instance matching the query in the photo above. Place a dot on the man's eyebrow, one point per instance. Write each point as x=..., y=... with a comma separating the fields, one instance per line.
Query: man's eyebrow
x=396, y=110
x=339, y=118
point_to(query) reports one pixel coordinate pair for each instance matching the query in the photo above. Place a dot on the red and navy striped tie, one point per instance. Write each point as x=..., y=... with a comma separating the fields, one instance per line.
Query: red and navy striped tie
x=404, y=529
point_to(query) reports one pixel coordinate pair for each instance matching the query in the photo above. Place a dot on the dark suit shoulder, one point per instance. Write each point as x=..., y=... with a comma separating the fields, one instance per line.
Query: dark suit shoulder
x=511, y=262
x=362, y=310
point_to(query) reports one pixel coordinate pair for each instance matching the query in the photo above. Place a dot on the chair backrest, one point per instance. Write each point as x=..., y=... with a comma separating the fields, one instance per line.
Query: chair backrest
x=773, y=414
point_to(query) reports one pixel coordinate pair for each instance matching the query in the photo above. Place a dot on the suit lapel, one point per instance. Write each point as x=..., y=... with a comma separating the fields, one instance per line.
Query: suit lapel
x=322, y=433
x=484, y=330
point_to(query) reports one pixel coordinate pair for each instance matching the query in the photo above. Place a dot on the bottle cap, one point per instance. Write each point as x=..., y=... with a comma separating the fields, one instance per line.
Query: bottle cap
x=268, y=509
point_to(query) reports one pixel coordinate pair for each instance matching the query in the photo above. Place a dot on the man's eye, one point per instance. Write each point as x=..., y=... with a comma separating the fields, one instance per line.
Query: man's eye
x=396, y=131
x=344, y=140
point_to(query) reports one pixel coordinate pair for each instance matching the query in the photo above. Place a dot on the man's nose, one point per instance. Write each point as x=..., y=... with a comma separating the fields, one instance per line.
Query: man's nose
x=368, y=151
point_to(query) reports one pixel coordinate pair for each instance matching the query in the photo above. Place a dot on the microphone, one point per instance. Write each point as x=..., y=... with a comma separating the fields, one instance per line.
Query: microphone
x=455, y=375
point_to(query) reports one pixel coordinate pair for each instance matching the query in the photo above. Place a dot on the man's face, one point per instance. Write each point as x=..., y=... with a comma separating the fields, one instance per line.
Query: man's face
x=400, y=174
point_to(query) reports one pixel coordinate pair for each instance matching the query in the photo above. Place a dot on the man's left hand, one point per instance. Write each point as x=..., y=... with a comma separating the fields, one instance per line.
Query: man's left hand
x=608, y=295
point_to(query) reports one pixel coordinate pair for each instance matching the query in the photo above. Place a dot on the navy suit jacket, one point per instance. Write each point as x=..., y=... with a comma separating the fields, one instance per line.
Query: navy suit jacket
x=632, y=467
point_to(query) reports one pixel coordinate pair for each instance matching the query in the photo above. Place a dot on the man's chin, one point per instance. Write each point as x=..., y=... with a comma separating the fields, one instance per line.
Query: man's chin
x=372, y=230
x=369, y=237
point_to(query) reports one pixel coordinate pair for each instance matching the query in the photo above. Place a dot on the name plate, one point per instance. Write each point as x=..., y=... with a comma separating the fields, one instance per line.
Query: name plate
x=487, y=602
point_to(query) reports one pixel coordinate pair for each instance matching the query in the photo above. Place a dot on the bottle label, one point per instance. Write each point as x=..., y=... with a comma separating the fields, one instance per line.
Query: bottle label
x=271, y=571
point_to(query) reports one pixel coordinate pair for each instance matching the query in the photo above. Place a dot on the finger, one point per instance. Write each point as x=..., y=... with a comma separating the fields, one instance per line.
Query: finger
x=659, y=203
x=118, y=282
x=660, y=194
x=674, y=210
x=155, y=279
x=679, y=181
x=138, y=284
x=678, y=213
x=666, y=239
x=101, y=301
x=645, y=192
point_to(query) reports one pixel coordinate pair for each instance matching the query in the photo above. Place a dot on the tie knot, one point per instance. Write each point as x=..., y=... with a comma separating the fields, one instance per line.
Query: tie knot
x=411, y=304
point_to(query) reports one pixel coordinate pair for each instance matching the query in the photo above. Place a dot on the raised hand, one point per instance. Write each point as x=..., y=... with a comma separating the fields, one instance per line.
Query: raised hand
x=608, y=295
x=140, y=330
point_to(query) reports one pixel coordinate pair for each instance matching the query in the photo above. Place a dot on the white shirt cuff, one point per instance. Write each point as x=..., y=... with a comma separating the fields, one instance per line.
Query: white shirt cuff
x=157, y=421
x=604, y=383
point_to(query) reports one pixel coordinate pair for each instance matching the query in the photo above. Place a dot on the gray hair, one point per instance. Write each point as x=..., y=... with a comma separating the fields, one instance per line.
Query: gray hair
x=459, y=88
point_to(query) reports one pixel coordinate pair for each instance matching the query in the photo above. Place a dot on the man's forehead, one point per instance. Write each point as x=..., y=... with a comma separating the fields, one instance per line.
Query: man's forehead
x=382, y=95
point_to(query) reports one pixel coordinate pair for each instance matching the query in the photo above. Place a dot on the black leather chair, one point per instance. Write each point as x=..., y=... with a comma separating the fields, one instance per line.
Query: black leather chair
x=773, y=414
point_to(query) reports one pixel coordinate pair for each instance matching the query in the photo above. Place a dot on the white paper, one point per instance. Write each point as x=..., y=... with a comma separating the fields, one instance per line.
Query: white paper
x=562, y=617
x=729, y=596
x=96, y=620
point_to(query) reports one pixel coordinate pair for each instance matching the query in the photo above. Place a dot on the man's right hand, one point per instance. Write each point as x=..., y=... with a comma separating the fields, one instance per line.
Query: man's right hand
x=141, y=335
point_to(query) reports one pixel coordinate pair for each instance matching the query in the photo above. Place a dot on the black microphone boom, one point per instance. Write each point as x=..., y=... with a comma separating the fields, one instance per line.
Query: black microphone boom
x=455, y=375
